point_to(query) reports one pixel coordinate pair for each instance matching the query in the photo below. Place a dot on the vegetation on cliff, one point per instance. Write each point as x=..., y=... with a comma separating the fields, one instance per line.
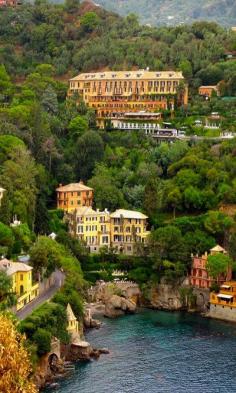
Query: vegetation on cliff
x=15, y=368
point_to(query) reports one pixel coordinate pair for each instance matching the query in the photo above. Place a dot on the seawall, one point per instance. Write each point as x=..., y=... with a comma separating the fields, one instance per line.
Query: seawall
x=225, y=313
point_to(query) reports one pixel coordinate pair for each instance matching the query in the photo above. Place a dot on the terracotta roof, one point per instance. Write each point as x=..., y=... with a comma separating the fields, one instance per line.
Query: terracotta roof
x=128, y=214
x=11, y=267
x=74, y=187
x=140, y=74
x=208, y=87
x=70, y=314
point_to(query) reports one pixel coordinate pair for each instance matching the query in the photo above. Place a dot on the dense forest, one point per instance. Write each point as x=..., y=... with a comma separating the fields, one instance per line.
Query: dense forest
x=159, y=12
x=46, y=139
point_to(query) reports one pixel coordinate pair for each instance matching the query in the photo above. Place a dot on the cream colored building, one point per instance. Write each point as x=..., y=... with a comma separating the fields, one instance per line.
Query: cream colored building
x=128, y=229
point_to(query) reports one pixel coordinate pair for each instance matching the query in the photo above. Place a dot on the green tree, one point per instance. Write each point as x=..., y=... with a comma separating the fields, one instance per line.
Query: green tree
x=42, y=338
x=49, y=100
x=89, y=150
x=174, y=198
x=167, y=243
x=6, y=87
x=150, y=202
x=7, y=297
x=18, y=177
x=45, y=255
x=77, y=126
x=6, y=237
x=89, y=21
x=218, y=264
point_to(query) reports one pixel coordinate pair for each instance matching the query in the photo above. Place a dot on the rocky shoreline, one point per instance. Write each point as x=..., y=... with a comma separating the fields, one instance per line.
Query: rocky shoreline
x=110, y=300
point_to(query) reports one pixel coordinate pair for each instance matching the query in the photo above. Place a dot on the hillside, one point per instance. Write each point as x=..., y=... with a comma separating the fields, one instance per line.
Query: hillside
x=85, y=37
x=158, y=12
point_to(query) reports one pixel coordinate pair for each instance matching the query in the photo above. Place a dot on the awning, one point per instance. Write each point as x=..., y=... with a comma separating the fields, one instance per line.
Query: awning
x=225, y=286
x=222, y=296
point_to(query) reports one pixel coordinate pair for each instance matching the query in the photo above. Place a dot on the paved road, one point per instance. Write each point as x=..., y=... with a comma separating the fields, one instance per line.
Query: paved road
x=30, y=307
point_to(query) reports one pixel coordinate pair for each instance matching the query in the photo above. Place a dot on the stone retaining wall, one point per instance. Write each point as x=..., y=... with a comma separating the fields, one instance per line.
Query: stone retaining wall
x=222, y=312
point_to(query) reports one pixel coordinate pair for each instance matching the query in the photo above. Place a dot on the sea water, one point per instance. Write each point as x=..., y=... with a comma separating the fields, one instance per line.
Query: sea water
x=155, y=351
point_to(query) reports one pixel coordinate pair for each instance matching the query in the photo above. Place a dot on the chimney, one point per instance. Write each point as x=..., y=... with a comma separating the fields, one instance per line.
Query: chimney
x=60, y=185
x=81, y=182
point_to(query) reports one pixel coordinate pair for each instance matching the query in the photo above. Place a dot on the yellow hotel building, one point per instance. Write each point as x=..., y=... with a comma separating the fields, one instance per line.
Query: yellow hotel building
x=22, y=285
x=122, y=230
x=113, y=93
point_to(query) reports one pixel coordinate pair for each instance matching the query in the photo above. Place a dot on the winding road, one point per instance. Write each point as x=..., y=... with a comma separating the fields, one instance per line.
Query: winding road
x=44, y=297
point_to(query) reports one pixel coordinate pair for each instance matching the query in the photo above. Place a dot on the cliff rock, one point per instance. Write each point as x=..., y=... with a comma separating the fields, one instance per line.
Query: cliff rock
x=117, y=305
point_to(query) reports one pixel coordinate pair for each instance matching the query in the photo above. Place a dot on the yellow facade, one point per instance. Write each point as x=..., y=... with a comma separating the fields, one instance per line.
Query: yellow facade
x=114, y=93
x=226, y=296
x=72, y=323
x=22, y=285
x=90, y=226
x=74, y=195
x=128, y=228
x=122, y=230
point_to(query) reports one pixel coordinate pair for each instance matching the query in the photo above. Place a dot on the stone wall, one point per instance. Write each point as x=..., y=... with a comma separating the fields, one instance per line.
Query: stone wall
x=225, y=313
x=165, y=297
x=202, y=298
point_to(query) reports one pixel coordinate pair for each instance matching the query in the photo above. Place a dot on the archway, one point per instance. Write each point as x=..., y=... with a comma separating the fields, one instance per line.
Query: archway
x=53, y=362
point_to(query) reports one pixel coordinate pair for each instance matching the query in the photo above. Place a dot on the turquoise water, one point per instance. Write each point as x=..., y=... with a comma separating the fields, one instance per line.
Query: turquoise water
x=156, y=352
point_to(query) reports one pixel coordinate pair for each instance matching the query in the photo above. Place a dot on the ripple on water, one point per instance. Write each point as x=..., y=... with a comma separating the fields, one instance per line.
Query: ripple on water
x=159, y=352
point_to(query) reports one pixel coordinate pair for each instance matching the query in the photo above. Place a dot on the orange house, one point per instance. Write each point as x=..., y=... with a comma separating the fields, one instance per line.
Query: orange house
x=206, y=91
x=74, y=195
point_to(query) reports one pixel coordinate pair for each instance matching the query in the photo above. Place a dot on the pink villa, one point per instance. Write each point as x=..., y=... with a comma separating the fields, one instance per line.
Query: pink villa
x=199, y=276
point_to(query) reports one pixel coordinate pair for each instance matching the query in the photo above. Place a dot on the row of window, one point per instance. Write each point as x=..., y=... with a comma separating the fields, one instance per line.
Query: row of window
x=89, y=228
x=127, y=239
x=74, y=193
x=131, y=106
x=118, y=221
x=93, y=240
x=126, y=85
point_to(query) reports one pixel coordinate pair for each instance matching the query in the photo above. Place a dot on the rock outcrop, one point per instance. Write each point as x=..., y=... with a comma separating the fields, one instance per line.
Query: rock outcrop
x=117, y=305
x=165, y=297
x=89, y=321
